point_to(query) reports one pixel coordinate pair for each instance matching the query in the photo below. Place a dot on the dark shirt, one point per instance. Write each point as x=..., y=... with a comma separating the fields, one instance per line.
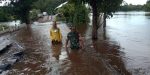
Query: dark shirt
x=74, y=40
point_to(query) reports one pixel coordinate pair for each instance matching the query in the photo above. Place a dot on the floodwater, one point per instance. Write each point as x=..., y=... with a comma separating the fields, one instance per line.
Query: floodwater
x=42, y=58
x=123, y=49
x=130, y=31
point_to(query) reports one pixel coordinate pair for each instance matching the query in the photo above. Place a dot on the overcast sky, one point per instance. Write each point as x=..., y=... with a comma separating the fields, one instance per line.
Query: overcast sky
x=135, y=2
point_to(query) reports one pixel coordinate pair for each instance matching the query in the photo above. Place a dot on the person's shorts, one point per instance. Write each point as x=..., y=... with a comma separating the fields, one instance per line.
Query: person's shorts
x=75, y=48
x=56, y=42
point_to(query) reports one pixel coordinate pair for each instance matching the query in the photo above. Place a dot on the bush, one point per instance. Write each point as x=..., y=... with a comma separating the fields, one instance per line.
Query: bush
x=77, y=15
x=3, y=26
x=4, y=14
x=34, y=14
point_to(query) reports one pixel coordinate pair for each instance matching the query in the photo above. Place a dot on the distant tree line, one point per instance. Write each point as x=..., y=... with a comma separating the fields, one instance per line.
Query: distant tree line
x=130, y=7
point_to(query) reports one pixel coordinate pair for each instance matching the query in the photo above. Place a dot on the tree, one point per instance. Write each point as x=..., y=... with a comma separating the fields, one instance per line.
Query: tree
x=130, y=7
x=104, y=6
x=147, y=6
x=77, y=15
x=21, y=9
x=34, y=14
x=42, y=4
x=5, y=14
x=108, y=7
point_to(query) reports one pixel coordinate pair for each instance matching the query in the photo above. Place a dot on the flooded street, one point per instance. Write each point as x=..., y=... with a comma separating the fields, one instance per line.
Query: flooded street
x=41, y=58
x=122, y=50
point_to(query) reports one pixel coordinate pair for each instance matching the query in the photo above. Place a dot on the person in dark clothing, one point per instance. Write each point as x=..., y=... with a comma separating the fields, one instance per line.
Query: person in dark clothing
x=74, y=37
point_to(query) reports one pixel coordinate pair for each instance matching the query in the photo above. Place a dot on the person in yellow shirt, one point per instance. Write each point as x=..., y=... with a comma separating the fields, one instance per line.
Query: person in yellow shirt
x=55, y=34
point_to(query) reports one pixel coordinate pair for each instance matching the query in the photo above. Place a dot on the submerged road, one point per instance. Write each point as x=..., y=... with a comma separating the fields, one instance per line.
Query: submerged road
x=41, y=58
x=123, y=49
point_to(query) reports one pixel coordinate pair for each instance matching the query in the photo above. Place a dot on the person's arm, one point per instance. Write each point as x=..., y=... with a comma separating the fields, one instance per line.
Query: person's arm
x=60, y=35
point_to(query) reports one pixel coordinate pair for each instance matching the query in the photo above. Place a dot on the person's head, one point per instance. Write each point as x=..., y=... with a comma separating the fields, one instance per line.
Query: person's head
x=54, y=24
x=72, y=28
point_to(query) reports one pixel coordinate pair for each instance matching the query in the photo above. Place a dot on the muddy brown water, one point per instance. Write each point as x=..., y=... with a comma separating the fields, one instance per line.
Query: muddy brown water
x=122, y=49
x=42, y=58
x=130, y=31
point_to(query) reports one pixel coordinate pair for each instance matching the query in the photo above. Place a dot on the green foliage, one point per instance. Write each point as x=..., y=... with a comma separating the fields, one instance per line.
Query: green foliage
x=34, y=14
x=81, y=15
x=67, y=11
x=109, y=6
x=99, y=6
x=147, y=6
x=131, y=7
x=21, y=9
x=74, y=14
x=103, y=6
x=4, y=14
x=41, y=4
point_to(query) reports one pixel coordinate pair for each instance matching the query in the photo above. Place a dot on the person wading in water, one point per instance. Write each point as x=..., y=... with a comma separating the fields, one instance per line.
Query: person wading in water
x=74, y=37
x=55, y=34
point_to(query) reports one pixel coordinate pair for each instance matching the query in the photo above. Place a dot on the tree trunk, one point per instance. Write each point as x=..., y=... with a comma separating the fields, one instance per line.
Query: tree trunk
x=105, y=16
x=104, y=26
x=94, y=21
x=27, y=20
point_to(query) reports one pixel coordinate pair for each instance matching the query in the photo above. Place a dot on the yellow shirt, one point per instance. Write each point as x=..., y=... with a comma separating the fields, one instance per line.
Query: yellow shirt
x=55, y=34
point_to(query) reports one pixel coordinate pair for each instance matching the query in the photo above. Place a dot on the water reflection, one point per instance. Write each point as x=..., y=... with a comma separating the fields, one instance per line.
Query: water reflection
x=132, y=35
x=147, y=15
x=56, y=50
x=112, y=54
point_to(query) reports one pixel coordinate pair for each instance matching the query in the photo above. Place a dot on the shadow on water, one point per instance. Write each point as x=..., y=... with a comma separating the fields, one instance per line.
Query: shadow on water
x=85, y=61
x=110, y=51
x=147, y=15
x=56, y=50
x=131, y=33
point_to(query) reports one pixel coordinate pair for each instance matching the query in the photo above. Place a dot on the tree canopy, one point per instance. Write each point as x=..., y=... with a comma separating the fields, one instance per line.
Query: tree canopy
x=5, y=14
x=99, y=6
x=147, y=6
x=21, y=9
x=76, y=15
